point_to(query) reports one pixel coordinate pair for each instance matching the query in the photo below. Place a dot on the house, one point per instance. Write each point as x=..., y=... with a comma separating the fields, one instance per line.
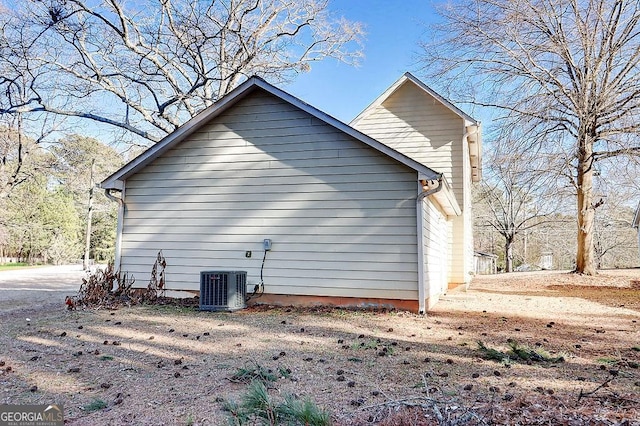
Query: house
x=354, y=216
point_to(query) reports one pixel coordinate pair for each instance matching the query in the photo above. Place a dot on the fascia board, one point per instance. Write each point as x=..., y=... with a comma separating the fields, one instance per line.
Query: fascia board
x=401, y=81
x=177, y=136
x=447, y=200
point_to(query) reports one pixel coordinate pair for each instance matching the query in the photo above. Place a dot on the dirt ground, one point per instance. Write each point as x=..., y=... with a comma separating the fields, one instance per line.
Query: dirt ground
x=157, y=365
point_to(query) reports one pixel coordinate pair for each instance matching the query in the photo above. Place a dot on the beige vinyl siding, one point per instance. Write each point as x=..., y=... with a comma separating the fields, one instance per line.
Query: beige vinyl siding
x=417, y=125
x=459, y=247
x=340, y=214
x=462, y=263
x=462, y=243
x=436, y=251
x=414, y=123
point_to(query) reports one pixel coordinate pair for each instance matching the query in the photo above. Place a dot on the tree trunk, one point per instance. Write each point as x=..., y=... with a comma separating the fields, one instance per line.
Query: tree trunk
x=508, y=255
x=585, y=258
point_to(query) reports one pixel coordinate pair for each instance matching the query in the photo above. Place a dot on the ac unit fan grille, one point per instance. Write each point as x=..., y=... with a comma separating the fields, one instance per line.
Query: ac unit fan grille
x=223, y=290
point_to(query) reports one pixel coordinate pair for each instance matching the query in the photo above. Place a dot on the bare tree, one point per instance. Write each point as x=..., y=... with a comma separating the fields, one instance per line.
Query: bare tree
x=148, y=69
x=12, y=149
x=565, y=71
x=21, y=129
x=516, y=195
x=14, y=82
x=615, y=243
x=616, y=183
x=18, y=159
x=81, y=162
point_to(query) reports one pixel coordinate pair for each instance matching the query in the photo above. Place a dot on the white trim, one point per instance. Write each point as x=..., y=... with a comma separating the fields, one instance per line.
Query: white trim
x=420, y=238
x=401, y=81
x=120, y=223
x=447, y=200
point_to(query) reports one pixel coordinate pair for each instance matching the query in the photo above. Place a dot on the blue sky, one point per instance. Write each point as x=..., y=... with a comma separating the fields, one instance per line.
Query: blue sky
x=393, y=29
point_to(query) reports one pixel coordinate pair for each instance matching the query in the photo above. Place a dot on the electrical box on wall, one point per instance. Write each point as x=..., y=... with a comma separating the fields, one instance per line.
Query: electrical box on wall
x=266, y=244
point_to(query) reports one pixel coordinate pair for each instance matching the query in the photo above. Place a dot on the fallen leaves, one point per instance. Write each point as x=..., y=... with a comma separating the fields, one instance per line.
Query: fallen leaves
x=351, y=362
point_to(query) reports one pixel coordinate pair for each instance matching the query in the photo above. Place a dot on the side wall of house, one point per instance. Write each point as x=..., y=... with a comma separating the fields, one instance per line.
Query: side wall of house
x=341, y=216
x=414, y=123
x=462, y=263
x=436, y=251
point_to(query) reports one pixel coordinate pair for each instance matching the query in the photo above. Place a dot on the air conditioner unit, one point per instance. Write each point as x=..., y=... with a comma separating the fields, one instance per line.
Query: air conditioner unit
x=223, y=290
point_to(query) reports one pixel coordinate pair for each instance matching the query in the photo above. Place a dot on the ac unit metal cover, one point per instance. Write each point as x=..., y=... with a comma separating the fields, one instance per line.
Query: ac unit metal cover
x=223, y=290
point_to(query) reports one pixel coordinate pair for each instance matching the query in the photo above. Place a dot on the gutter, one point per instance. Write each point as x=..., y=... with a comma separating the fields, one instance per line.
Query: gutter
x=420, y=219
x=120, y=201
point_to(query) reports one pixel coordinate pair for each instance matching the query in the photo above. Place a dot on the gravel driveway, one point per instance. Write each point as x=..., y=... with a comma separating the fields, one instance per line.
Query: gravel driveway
x=38, y=287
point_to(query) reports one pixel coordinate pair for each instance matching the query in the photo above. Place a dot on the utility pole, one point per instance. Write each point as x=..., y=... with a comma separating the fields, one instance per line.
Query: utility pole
x=87, y=247
x=526, y=231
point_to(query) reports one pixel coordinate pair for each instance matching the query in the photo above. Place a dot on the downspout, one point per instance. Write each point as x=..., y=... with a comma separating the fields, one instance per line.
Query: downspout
x=420, y=223
x=467, y=230
x=120, y=201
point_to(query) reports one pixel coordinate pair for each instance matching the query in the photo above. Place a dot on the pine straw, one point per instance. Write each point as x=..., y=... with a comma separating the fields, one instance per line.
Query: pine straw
x=166, y=364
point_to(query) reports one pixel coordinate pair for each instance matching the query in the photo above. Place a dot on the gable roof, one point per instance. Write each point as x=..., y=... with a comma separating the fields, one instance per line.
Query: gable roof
x=116, y=180
x=231, y=99
x=472, y=125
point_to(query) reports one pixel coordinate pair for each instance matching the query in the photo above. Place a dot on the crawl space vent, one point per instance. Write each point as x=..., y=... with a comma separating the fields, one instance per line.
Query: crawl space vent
x=223, y=290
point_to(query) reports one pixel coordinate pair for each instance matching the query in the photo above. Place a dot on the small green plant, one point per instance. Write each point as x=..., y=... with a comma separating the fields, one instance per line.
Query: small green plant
x=190, y=420
x=284, y=372
x=490, y=353
x=304, y=412
x=370, y=344
x=528, y=354
x=257, y=407
x=608, y=361
x=517, y=352
x=388, y=350
x=95, y=405
x=256, y=372
x=106, y=358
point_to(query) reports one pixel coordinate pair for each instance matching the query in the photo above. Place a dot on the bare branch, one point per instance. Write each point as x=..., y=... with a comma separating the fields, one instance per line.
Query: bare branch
x=156, y=67
x=554, y=67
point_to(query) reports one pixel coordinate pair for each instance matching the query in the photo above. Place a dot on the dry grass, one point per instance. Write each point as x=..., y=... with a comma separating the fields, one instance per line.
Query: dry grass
x=155, y=365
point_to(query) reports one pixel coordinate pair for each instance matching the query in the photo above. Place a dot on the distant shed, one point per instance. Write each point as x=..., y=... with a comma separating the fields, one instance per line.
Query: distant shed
x=485, y=263
x=636, y=222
